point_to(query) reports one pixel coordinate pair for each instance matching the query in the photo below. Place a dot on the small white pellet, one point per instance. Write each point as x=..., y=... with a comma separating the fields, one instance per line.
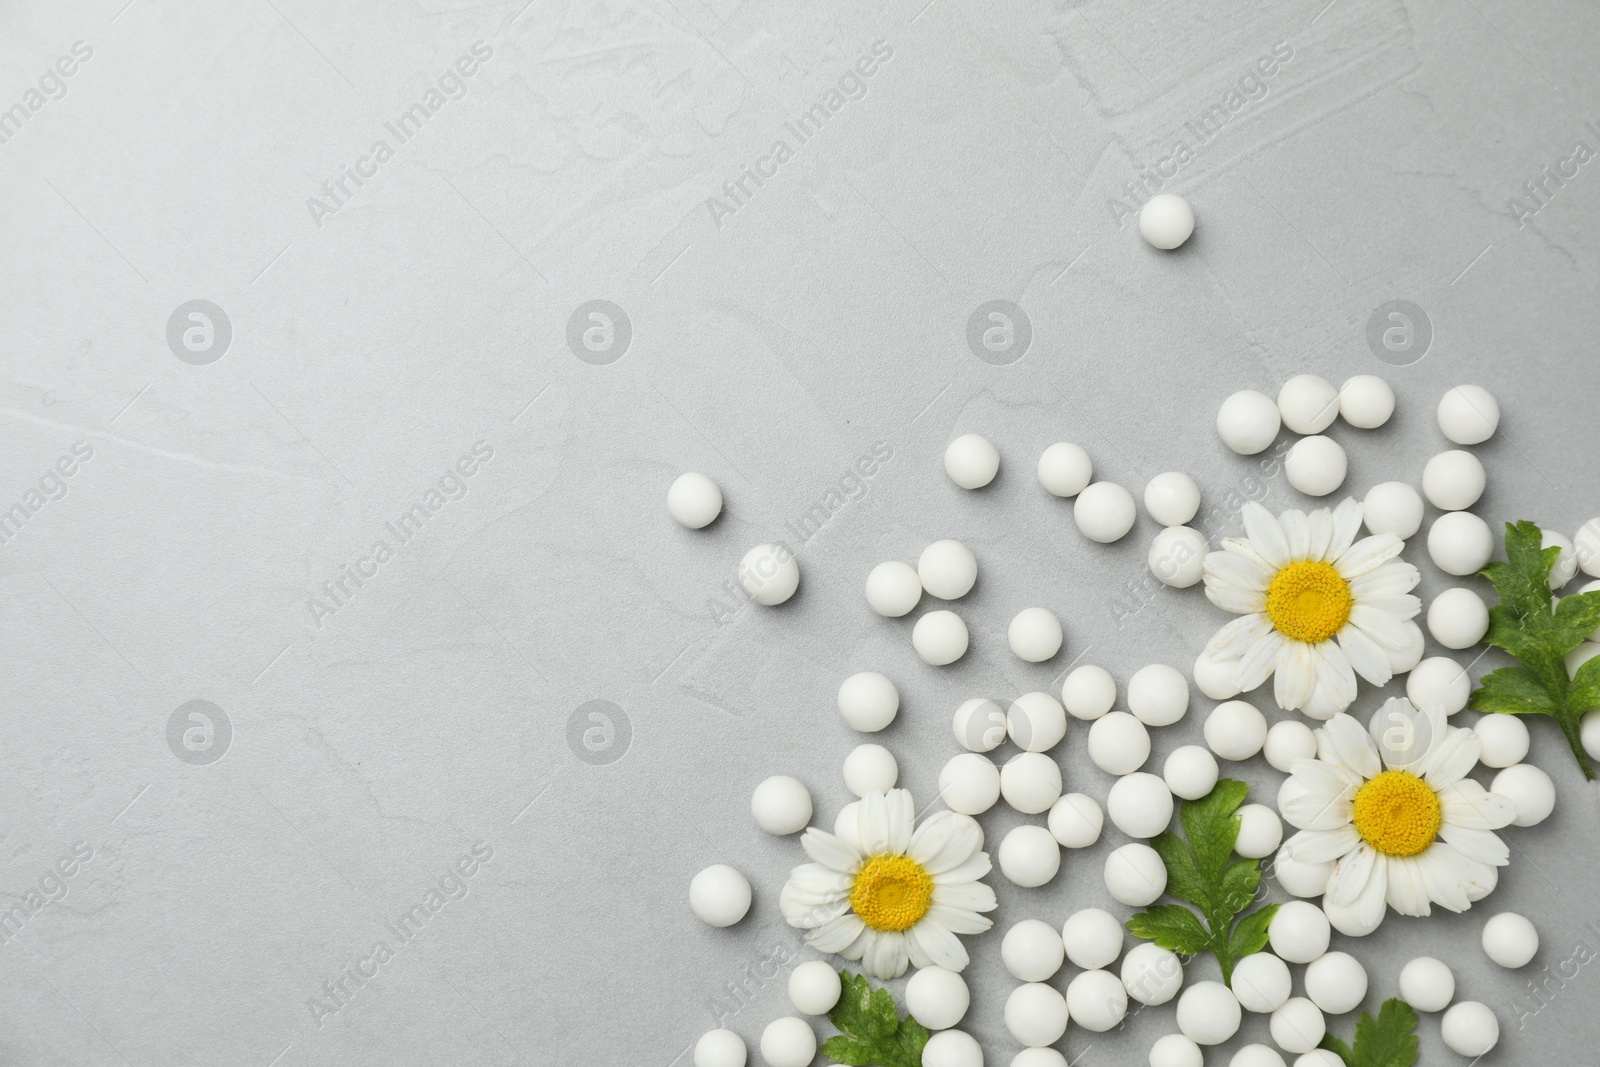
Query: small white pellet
x=1031, y=782
x=1468, y=414
x=870, y=769
x=1260, y=832
x=1166, y=221
x=947, y=569
x=1217, y=679
x=1366, y=401
x=1032, y=951
x=1261, y=982
x=1566, y=565
x=1088, y=692
x=971, y=461
x=1460, y=543
x=1458, y=618
x=719, y=1048
x=1140, y=805
x=1175, y=1050
x=937, y=998
x=1300, y=878
x=1470, y=1028
x=1096, y=1001
x=1288, y=741
x=1298, y=1025
x=1034, y=635
x=1104, y=512
x=1530, y=789
x=1036, y=1014
x=1439, y=683
x=788, y=1042
x=1029, y=856
x=1299, y=933
x=1319, y=1057
x=1076, y=820
x=769, y=574
x=814, y=988
x=1406, y=659
x=1118, y=743
x=1178, y=556
x=1172, y=498
x=1151, y=974
x=1039, y=1057
x=1236, y=730
x=1316, y=465
x=1248, y=422
x=694, y=500
x=1036, y=722
x=1427, y=984
x=1256, y=1056
x=1208, y=1013
x=1510, y=940
x=969, y=783
x=1092, y=937
x=1454, y=480
x=781, y=805
x=980, y=725
x=1065, y=469
x=893, y=589
x=1336, y=982
x=719, y=895
x=1589, y=733
x=1308, y=404
x=1393, y=507
x=1158, y=695
x=1135, y=875
x=952, y=1048
x=1586, y=546
x=940, y=637
x=1504, y=740
x=1190, y=772
x=868, y=701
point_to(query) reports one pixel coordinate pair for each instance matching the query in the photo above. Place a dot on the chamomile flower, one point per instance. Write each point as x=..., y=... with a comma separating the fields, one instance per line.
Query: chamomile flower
x=1317, y=607
x=1409, y=834
x=889, y=894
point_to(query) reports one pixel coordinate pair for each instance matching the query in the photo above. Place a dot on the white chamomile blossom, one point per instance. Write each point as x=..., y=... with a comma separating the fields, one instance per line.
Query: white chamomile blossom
x=887, y=895
x=1406, y=829
x=1318, y=606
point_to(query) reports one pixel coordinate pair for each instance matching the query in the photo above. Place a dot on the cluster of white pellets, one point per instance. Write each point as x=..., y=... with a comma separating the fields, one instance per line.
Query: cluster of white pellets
x=1468, y=1027
x=768, y=573
x=1248, y=422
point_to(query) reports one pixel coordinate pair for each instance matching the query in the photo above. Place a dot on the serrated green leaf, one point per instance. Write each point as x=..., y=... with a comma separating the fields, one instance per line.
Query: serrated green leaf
x=1183, y=879
x=1386, y=1041
x=1338, y=1048
x=880, y=1020
x=1523, y=581
x=1171, y=926
x=1585, y=693
x=1212, y=827
x=1512, y=691
x=1250, y=936
x=871, y=1030
x=848, y=1051
x=1576, y=618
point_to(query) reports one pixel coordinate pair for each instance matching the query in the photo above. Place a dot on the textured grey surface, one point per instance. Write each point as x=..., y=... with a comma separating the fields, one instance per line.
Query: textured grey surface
x=377, y=340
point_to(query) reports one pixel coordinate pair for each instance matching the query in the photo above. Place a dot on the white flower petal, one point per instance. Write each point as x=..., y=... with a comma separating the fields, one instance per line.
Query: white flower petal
x=1265, y=534
x=974, y=868
x=967, y=896
x=1297, y=530
x=1446, y=873
x=1480, y=846
x=1392, y=579
x=1322, y=846
x=1390, y=632
x=830, y=851
x=836, y=935
x=1366, y=657
x=1321, y=534
x=1466, y=803
x=872, y=824
x=902, y=813
x=1238, y=637
x=1256, y=665
x=943, y=947
x=1400, y=605
x=1451, y=758
x=1236, y=601
x=1336, y=679
x=1352, y=873
x=1367, y=554
x=1232, y=567
x=1295, y=675
x=958, y=920
x=1317, y=800
x=1343, y=741
x=945, y=840
x=886, y=956
x=1407, y=892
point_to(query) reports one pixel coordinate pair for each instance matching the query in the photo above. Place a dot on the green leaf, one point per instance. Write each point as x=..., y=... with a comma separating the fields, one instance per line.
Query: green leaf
x=1171, y=926
x=1386, y=1041
x=1183, y=878
x=1250, y=935
x=844, y=1050
x=1512, y=691
x=871, y=1030
x=1585, y=693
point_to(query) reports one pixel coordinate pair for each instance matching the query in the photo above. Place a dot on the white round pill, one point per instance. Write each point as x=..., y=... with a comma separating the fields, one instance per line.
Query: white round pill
x=1034, y=635
x=1298, y=1025
x=781, y=805
x=893, y=589
x=1175, y=1050
x=1036, y=722
x=1458, y=618
x=1460, y=543
x=1038, y=1057
x=1586, y=546
x=1296, y=876
x=1032, y=951
x=1427, y=984
x=1316, y=465
x=1236, y=730
x=940, y=638
x=1299, y=932
x=1029, y=856
x=1166, y=220
x=1217, y=679
x=980, y=725
x=1096, y=1001
x=1319, y=1057
x=952, y=1048
x=719, y=895
x=1177, y=557
x=1468, y=414
x=1366, y=401
x=1158, y=695
x=969, y=783
x=1248, y=422
x=769, y=574
x=1104, y=512
x=1288, y=741
x=1336, y=982
x=1261, y=982
x=868, y=701
x=1454, y=480
x=971, y=461
x=1190, y=772
x=1392, y=507
x=1404, y=660
x=1589, y=733
x=1118, y=743
x=1172, y=498
x=1088, y=692
x=1566, y=565
x=1151, y=974
x=1065, y=469
x=719, y=1048
x=870, y=769
x=1031, y=782
x=1036, y=1014
x=1208, y=1013
x=1093, y=938
x=788, y=1042
x=1256, y=1056
x=1510, y=940
x=814, y=988
x=1308, y=404
x=1504, y=740
x=1260, y=832
x=1470, y=1028
x=1140, y=805
x=1076, y=820
x=937, y=998
x=947, y=569
x=1439, y=683
x=1135, y=875
x=694, y=500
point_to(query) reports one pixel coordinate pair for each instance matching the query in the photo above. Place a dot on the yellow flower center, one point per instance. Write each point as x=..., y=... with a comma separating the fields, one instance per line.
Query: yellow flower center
x=891, y=893
x=1397, y=814
x=1308, y=601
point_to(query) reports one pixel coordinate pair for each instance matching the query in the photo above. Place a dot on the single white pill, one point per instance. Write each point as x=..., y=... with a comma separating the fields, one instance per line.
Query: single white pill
x=1140, y=804
x=1427, y=984
x=1076, y=820
x=1208, y=1013
x=1256, y=1056
x=719, y=1048
x=1454, y=480
x=1248, y=422
x=1586, y=546
x=1217, y=679
x=1468, y=414
x=1104, y=512
x=868, y=701
x=937, y=998
x=1460, y=543
x=1566, y=565
x=980, y=725
x=1036, y=1014
x=1403, y=660
x=1316, y=465
x=769, y=574
x=1177, y=557
x=1031, y=782
x=1319, y=1057
x=1034, y=635
x=1118, y=743
x=1065, y=469
x=1288, y=741
x=694, y=500
x=1336, y=982
x=1172, y=499
x=1589, y=733
x=1298, y=1025
x=893, y=589
x=1392, y=507
x=1308, y=404
x=1029, y=856
x=1261, y=982
x=947, y=569
x=969, y=783
x=1088, y=692
x=1096, y=1001
x=1038, y=1057
x=719, y=895
x=971, y=461
x=940, y=638
x=1036, y=722
x=1504, y=740
x=1093, y=938
x=870, y=769
x=1032, y=951
x=1158, y=695
x=814, y=988
x=1236, y=730
x=1151, y=974
x=781, y=805
x=788, y=1042
x=1260, y=832
x=1299, y=878
x=1175, y=1050
x=952, y=1048
x=1166, y=221
x=1458, y=618
x=1299, y=932
x=1470, y=1028
x=1190, y=772
x=1135, y=875
x=1439, y=683
x=1509, y=939
x=1366, y=401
